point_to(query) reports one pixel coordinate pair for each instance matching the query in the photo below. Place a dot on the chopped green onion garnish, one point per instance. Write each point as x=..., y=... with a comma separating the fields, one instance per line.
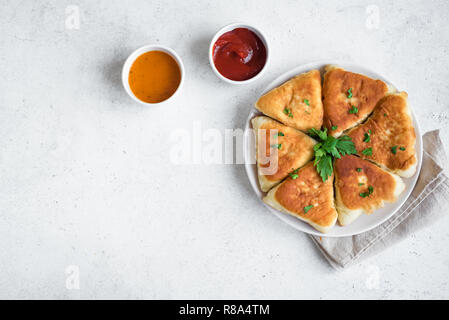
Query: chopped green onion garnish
x=353, y=110
x=349, y=93
x=306, y=209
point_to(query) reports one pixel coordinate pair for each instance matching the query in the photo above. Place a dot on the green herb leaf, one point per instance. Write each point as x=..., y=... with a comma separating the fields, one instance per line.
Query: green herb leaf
x=280, y=134
x=288, y=112
x=329, y=148
x=359, y=169
x=394, y=149
x=307, y=102
x=294, y=174
x=334, y=127
x=402, y=148
x=319, y=154
x=385, y=114
x=353, y=110
x=306, y=209
x=324, y=167
x=367, y=137
x=345, y=146
x=330, y=144
x=349, y=93
x=368, y=193
x=277, y=146
x=361, y=184
x=318, y=133
x=368, y=151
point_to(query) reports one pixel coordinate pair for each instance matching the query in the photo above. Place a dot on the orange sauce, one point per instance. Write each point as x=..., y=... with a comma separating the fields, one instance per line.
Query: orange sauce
x=154, y=76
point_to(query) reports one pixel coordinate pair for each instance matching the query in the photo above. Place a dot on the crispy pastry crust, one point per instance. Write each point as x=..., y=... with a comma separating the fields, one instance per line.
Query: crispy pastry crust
x=366, y=92
x=293, y=195
x=296, y=150
x=392, y=137
x=301, y=96
x=349, y=203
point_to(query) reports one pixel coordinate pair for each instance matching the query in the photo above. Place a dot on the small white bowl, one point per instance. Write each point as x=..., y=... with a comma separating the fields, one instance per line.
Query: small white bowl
x=133, y=56
x=231, y=27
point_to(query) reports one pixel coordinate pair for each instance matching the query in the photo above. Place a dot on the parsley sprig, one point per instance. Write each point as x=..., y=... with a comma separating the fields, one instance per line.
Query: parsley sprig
x=328, y=148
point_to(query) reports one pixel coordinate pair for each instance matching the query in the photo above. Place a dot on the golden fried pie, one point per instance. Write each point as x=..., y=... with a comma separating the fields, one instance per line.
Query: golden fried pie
x=388, y=137
x=348, y=98
x=280, y=150
x=305, y=196
x=361, y=187
x=296, y=103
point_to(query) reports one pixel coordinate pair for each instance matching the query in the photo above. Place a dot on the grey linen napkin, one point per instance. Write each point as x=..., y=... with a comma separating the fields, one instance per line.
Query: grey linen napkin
x=425, y=205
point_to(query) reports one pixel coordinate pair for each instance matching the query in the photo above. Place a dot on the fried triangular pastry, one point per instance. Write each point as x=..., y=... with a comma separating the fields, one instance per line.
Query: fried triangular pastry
x=280, y=150
x=296, y=103
x=388, y=137
x=348, y=98
x=362, y=187
x=306, y=197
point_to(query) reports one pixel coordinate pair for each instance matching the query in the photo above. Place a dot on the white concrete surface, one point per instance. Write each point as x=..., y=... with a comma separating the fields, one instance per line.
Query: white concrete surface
x=86, y=181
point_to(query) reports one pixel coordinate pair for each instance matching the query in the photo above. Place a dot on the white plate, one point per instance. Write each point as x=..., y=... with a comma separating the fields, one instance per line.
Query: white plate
x=364, y=222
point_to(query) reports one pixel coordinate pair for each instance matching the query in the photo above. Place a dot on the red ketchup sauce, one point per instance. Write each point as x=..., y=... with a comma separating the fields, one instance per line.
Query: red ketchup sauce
x=239, y=54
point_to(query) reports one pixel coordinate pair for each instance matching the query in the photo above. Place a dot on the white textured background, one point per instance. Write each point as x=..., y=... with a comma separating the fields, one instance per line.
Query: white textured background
x=85, y=176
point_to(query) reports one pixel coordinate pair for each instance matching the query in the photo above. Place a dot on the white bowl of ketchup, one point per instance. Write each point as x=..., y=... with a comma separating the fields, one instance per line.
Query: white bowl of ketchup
x=239, y=53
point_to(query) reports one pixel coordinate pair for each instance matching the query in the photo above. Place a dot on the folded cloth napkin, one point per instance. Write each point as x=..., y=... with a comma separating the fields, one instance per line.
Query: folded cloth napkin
x=427, y=203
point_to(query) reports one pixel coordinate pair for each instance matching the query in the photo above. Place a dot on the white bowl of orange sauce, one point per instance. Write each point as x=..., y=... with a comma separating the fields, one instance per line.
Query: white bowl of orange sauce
x=153, y=74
